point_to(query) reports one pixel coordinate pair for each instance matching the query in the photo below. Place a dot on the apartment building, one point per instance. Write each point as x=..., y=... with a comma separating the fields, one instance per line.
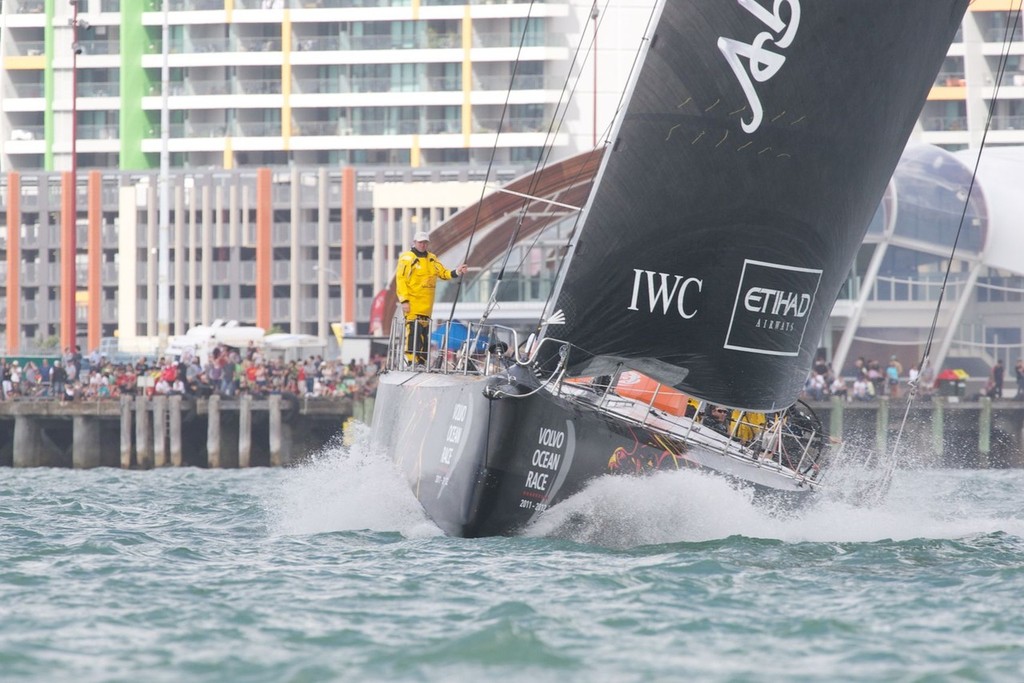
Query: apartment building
x=968, y=88
x=270, y=105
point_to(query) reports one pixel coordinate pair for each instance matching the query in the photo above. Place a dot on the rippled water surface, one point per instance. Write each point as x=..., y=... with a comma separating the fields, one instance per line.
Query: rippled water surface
x=329, y=572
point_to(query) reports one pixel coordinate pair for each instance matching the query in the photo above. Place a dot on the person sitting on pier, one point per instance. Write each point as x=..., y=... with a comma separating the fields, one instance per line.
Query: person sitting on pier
x=415, y=284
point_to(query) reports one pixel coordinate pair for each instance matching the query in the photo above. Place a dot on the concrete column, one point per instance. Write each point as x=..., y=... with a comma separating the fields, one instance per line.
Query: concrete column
x=938, y=418
x=882, y=425
x=174, y=406
x=160, y=431
x=126, y=432
x=279, y=454
x=28, y=442
x=985, y=432
x=213, y=432
x=85, y=442
x=143, y=434
x=835, y=420
x=245, y=430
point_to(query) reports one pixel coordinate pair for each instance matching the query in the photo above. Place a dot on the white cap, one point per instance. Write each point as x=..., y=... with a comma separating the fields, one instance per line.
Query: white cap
x=421, y=236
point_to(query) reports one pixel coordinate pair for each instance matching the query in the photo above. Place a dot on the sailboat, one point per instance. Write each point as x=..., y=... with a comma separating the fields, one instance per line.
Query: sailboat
x=739, y=180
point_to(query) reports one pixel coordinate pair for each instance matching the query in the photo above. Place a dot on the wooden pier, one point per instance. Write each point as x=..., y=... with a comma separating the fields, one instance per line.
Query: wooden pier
x=938, y=432
x=143, y=433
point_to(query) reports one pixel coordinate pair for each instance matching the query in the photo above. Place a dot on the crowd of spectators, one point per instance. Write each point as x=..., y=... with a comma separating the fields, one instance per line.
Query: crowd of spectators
x=870, y=380
x=228, y=372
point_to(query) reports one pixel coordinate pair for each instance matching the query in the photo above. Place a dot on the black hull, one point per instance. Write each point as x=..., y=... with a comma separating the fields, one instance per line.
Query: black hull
x=486, y=466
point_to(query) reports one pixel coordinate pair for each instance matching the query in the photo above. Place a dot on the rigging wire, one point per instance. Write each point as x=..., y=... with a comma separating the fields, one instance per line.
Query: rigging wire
x=494, y=150
x=535, y=180
x=542, y=160
x=575, y=232
x=892, y=461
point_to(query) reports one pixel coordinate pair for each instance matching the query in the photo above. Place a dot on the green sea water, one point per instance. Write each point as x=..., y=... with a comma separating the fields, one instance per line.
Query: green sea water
x=329, y=572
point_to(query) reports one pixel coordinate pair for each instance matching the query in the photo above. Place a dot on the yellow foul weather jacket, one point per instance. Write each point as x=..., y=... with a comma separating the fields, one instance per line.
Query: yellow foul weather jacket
x=416, y=280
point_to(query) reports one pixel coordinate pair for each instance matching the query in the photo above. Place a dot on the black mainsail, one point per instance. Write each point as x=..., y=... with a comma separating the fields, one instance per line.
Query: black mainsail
x=741, y=179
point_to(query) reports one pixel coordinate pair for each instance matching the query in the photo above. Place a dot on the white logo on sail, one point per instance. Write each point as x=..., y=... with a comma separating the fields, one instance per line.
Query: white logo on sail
x=772, y=308
x=663, y=289
x=764, y=63
x=777, y=302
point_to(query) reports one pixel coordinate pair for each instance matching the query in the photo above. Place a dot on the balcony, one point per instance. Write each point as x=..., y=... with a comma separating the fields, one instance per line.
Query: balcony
x=529, y=124
x=98, y=131
x=904, y=289
x=191, y=5
x=390, y=42
x=104, y=89
x=950, y=79
x=22, y=133
x=442, y=126
x=1008, y=123
x=506, y=39
x=28, y=90
x=256, y=129
x=998, y=35
x=500, y=83
x=258, y=43
x=241, y=86
x=29, y=6
x=944, y=123
x=101, y=47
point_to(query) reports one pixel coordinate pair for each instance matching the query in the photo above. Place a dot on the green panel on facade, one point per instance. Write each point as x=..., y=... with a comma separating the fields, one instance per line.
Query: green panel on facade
x=48, y=87
x=135, y=84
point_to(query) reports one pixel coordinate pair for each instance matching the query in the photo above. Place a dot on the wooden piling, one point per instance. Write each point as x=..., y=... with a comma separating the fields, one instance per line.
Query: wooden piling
x=126, y=432
x=245, y=430
x=984, y=432
x=174, y=406
x=28, y=442
x=938, y=420
x=213, y=432
x=276, y=454
x=85, y=437
x=143, y=434
x=160, y=431
x=882, y=425
x=835, y=420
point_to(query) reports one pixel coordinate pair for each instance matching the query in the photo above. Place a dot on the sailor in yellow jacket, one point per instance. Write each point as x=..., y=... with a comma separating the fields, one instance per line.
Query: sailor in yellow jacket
x=415, y=282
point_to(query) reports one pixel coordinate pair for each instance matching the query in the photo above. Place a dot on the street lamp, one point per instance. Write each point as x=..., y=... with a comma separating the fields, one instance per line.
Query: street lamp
x=69, y=314
x=164, y=259
x=327, y=270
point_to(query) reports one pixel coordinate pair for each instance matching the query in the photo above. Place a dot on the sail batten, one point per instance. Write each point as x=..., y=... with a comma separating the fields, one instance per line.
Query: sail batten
x=756, y=145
